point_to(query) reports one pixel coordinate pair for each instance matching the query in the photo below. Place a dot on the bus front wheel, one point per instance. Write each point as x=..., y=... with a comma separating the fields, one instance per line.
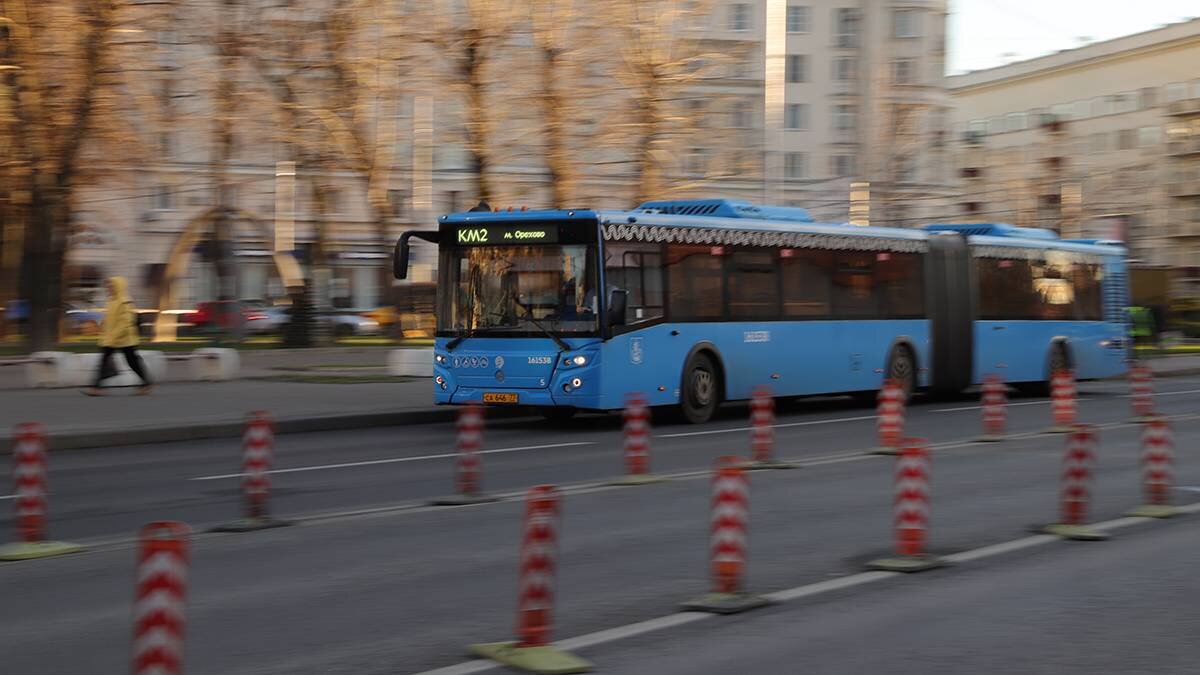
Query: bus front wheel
x=701, y=387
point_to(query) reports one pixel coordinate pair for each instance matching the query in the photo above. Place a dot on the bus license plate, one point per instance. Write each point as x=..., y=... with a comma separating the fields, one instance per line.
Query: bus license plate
x=499, y=397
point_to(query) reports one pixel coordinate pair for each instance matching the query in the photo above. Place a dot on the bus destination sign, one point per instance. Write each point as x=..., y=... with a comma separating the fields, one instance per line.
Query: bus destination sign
x=499, y=235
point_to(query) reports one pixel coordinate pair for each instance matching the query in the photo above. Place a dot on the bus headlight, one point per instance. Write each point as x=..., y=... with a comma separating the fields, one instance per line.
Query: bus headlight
x=579, y=360
x=440, y=358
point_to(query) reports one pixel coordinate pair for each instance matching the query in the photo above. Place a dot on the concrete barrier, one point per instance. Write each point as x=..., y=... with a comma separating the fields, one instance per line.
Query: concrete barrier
x=410, y=362
x=80, y=370
x=215, y=364
x=45, y=369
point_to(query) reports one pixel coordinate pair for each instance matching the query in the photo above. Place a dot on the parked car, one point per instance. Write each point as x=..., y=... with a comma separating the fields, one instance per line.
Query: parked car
x=265, y=319
x=346, y=325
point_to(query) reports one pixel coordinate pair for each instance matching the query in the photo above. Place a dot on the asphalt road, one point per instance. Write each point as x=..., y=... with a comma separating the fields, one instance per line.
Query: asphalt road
x=404, y=588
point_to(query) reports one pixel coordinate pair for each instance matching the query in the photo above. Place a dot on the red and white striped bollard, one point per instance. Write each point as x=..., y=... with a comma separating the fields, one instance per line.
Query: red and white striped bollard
x=1078, y=464
x=1158, y=450
x=160, y=599
x=635, y=431
x=910, y=511
x=728, y=541
x=258, y=457
x=1141, y=391
x=762, y=431
x=468, y=466
x=30, y=488
x=890, y=417
x=536, y=592
x=1062, y=401
x=995, y=409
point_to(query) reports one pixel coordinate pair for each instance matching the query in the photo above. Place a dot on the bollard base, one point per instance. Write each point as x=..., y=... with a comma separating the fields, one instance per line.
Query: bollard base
x=990, y=438
x=638, y=479
x=907, y=564
x=542, y=660
x=767, y=465
x=1075, y=532
x=1154, y=511
x=1058, y=429
x=463, y=500
x=725, y=603
x=29, y=550
x=251, y=525
x=884, y=451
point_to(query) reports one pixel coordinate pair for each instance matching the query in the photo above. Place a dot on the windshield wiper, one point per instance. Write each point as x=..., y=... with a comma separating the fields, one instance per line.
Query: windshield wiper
x=562, y=346
x=467, y=332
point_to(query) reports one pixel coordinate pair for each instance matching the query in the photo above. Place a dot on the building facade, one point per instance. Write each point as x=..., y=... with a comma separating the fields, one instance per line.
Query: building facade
x=857, y=97
x=1102, y=141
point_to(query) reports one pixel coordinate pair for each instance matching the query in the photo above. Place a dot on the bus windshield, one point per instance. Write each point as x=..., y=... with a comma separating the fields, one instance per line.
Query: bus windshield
x=510, y=290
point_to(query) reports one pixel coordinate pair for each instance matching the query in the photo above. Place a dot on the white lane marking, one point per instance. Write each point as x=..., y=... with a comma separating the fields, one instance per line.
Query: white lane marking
x=395, y=460
x=1187, y=488
x=828, y=586
x=639, y=628
x=774, y=426
x=798, y=592
x=997, y=549
x=979, y=407
x=1014, y=405
x=8, y=496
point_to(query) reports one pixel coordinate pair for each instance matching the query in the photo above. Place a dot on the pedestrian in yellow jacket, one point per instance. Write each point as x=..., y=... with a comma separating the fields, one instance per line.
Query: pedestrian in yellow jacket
x=119, y=332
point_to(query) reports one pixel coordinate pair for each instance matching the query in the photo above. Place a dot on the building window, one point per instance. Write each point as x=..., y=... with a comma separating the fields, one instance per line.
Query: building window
x=799, y=19
x=698, y=112
x=1015, y=121
x=1126, y=139
x=797, y=68
x=739, y=116
x=1148, y=97
x=845, y=27
x=1061, y=112
x=166, y=144
x=1125, y=102
x=1081, y=110
x=1148, y=137
x=396, y=202
x=906, y=23
x=795, y=116
x=904, y=71
x=845, y=68
x=996, y=125
x=795, y=164
x=1099, y=142
x=841, y=165
x=164, y=199
x=977, y=127
x=695, y=162
x=739, y=16
x=1176, y=91
x=843, y=117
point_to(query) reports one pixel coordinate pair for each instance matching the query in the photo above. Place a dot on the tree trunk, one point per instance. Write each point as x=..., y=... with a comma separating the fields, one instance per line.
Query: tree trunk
x=478, y=138
x=646, y=165
x=45, y=253
x=558, y=164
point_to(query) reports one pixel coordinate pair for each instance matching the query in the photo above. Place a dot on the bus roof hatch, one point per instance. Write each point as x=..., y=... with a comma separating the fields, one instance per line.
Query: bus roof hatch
x=994, y=230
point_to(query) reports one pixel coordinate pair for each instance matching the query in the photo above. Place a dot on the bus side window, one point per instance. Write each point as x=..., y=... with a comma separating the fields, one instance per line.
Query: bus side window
x=636, y=268
x=806, y=278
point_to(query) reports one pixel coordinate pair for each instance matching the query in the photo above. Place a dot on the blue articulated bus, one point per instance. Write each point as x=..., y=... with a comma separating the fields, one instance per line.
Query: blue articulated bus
x=696, y=302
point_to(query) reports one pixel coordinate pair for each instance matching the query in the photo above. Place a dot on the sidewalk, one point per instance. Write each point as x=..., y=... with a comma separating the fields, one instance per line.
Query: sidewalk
x=304, y=390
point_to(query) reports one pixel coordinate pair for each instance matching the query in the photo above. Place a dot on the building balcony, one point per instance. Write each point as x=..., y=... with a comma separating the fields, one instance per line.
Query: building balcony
x=1188, y=106
x=1184, y=147
x=1184, y=188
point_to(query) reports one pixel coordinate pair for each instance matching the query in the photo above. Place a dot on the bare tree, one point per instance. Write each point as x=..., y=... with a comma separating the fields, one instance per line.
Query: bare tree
x=663, y=60
x=60, y=63
x=465, y=36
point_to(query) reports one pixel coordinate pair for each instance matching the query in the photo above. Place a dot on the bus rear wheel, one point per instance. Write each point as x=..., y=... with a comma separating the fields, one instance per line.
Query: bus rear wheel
x=902, y=367
x=701, y=389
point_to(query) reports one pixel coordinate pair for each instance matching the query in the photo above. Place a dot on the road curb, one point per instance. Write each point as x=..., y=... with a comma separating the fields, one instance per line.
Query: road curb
x=105, y=438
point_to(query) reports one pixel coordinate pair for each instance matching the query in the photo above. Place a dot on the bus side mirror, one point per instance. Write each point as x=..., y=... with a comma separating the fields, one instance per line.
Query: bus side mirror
x=618, y=299
x=400, y=258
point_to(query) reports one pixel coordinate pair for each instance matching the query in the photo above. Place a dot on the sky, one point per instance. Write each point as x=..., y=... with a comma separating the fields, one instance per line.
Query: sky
x=988, y=33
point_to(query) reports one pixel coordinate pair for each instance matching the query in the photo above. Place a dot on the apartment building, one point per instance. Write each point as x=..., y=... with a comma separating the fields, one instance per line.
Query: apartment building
x=858, y=97
x=1101, y=141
